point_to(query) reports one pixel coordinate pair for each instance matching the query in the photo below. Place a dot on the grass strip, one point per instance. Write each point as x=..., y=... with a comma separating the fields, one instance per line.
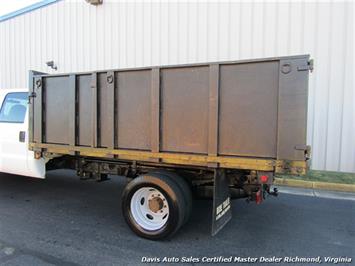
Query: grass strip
x=323, y=176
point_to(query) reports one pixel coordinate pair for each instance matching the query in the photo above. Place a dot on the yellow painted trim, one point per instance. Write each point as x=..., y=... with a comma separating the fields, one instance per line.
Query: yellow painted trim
x=170, y=158
x=291, y=167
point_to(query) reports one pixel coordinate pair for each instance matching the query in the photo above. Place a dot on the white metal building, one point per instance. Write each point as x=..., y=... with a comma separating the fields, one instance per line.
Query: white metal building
x=79, y=36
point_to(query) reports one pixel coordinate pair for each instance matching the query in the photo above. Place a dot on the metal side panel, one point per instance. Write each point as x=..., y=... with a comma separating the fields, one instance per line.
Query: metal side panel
x=155, y=110
x=31, y=99
x=248, y=109
x=85, y=133
x=72, y=110
x=134, y=109
x=37, y=110
x=106, y=99
x=185, y=109
x=58, y=101
x=292, y=113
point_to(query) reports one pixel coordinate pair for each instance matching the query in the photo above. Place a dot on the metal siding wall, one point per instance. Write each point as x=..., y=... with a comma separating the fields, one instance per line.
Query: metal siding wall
x=82, y=37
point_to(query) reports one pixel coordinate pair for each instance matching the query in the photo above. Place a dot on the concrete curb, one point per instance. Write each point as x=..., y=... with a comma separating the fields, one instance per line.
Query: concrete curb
x=315, y=185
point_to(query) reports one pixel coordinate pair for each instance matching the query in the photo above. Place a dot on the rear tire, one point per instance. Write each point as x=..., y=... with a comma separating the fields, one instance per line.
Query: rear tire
x=184, y=187
x=153, y=206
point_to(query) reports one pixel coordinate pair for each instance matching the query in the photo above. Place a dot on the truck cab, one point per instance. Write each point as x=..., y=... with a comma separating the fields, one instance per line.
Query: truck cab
x=15, y=157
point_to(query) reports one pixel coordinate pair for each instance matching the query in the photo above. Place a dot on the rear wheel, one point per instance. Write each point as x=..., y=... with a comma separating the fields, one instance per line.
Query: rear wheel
x=184, y=187
x=153, y=206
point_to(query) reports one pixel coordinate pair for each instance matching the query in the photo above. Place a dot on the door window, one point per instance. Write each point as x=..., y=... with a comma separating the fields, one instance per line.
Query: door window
x=13, y=109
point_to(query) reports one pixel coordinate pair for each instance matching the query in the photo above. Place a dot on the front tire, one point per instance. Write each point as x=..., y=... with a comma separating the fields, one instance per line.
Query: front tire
x=153, y=206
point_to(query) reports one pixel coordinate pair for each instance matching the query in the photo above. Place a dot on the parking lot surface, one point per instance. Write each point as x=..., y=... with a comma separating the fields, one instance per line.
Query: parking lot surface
x=64, y=221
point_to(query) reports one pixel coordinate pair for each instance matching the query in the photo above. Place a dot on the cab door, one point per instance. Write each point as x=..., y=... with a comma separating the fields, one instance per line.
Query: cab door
x=15, y=158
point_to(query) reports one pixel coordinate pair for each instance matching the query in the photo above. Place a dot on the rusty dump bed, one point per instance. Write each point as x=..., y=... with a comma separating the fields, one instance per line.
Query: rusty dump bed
x=247, y=114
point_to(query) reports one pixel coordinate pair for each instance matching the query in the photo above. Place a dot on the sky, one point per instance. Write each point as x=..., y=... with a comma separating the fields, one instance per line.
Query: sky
x=8, y=6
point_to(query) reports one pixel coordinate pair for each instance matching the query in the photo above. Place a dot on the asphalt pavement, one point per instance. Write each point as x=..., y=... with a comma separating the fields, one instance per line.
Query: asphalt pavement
x=64, y=221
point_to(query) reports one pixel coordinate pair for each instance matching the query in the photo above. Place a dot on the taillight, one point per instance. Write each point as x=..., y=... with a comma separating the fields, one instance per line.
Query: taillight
x=264, y=178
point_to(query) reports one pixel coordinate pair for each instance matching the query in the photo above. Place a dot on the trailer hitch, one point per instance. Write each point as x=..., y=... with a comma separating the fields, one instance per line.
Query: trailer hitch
x=260, y=195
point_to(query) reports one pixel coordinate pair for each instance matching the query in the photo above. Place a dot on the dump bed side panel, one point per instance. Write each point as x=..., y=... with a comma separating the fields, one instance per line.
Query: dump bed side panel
x=255, y=109
x=248, y=109
x=292, y=106
x=84, y=111
x=184, y=109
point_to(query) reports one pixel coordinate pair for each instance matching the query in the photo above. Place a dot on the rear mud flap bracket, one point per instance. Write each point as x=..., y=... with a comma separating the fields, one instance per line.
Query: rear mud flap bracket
x=222, y=211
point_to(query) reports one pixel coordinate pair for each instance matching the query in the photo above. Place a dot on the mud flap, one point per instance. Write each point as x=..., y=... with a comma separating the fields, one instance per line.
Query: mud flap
x=222, y=211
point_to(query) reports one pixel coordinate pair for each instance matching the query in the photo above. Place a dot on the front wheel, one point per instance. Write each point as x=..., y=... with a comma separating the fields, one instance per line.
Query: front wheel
x=153, y=206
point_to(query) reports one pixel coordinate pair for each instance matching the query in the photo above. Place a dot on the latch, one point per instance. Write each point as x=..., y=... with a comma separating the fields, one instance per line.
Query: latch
x=31, y=95
x=308, y=66
x=306, y=149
